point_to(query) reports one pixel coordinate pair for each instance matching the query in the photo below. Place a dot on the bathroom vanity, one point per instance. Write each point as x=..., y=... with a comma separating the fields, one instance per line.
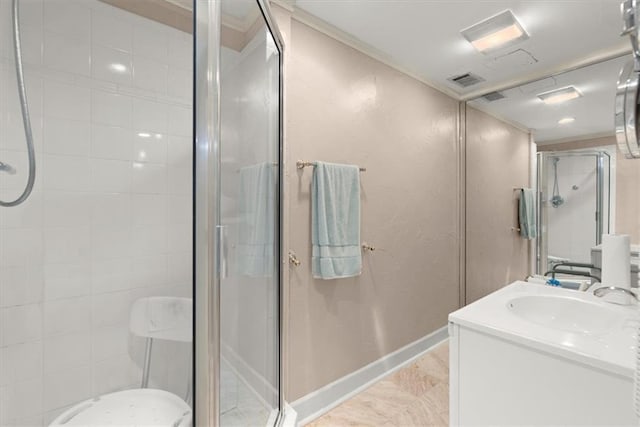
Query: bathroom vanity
x=531, y=354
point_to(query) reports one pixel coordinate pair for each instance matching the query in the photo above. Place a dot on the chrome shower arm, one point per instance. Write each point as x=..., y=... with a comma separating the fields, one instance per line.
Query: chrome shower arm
x=24, y=107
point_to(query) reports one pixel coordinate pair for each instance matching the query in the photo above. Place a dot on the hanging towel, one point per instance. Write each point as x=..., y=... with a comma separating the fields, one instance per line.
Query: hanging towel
x=255, y=249
x=335, y=218
x=527, y=214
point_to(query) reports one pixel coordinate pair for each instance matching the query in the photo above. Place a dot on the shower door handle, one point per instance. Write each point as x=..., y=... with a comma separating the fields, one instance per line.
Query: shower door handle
x=223, y=255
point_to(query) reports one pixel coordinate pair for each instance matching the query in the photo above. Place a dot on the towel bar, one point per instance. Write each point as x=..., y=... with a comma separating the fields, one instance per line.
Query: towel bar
x=301, y=164
x=368, y=247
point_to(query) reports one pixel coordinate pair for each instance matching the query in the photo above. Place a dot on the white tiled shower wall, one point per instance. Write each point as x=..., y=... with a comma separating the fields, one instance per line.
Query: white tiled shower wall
x=572, y=226
x=109, y=219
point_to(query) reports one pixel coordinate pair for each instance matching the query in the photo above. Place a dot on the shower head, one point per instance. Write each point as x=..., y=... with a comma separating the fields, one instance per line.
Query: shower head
x=557, y=201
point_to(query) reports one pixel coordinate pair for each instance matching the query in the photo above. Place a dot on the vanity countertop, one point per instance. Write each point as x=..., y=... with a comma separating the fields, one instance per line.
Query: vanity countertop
x=612, y=350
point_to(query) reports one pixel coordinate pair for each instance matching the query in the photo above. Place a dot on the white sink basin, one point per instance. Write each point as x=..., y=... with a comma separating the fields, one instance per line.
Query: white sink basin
x=565, y=313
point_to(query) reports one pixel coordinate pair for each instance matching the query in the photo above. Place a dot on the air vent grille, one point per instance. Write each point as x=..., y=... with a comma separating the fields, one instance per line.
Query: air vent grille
x=493, y=96
x=466, y=80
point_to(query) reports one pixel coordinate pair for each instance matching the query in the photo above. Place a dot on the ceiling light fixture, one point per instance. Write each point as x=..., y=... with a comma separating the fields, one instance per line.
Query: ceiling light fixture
x=561, y=95
x=496, y=32
x=118, y=68
x=566, y=120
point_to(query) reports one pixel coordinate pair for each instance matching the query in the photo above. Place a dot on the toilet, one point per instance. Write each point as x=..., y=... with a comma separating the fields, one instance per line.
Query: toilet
x=164, y=318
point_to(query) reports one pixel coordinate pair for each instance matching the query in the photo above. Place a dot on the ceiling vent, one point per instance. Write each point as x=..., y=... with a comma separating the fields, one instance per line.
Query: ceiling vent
x=466, y=80
x=493, y=96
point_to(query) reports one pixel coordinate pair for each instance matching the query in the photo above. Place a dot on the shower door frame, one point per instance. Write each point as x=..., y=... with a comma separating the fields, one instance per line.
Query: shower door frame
x=542, y=240
x=206, y=229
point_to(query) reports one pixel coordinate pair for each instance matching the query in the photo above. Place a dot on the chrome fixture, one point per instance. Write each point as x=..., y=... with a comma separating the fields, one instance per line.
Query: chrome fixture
x=24, y=107
x=301, y=164
x=626, y=111
x=626, y=105
x=629, y=9
x=556, y=199
x=293, y=259
x=5, y=167
x=368, y=247
x=591, y=269
x=601, y=292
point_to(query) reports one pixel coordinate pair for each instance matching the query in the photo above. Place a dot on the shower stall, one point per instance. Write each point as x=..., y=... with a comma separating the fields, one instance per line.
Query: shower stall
x=574, y=189
x=140, y=166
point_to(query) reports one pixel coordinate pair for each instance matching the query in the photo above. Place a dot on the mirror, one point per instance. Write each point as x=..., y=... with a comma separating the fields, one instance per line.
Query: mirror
x=586, y=184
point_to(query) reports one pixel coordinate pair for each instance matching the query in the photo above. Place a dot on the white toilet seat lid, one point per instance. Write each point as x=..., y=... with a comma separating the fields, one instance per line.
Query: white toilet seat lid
x=129, y=408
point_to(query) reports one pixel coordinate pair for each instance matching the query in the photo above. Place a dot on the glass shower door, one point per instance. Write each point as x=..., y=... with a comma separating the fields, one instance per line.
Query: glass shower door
x=249, y=88
x=237, y=214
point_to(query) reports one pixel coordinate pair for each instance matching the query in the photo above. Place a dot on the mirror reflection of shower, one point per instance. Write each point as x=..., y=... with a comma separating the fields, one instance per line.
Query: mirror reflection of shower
x=575, y=210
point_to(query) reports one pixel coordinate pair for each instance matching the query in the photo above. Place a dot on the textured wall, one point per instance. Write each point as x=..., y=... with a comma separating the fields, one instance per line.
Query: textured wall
x=497, y=162
x=345, y=107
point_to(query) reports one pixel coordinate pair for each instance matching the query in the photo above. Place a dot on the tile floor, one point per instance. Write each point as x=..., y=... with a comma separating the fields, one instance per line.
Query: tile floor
x=416, y=395
x=239, y=405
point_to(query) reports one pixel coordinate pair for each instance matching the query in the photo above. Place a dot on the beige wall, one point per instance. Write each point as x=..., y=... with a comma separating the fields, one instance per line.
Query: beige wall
x=627, y=188
x=498, y=160
x=343, y=106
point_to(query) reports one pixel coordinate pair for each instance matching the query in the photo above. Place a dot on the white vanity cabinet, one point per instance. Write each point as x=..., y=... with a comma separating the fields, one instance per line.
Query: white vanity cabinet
x=506, y=371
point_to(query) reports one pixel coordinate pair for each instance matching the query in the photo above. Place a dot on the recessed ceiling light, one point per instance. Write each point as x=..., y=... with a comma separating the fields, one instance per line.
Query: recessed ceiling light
x=496, y=32
x=566, y=120
x=144, y=135
x=558, y=96
x=118, y=68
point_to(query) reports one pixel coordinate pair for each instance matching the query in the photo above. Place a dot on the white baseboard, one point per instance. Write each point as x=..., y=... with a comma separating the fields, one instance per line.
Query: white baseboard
x=321, y=401
x=288, y=417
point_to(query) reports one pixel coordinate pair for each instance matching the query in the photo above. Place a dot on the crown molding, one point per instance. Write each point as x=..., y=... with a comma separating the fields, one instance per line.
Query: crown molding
x=500, y=117
x=343, y=37
x=587, y=137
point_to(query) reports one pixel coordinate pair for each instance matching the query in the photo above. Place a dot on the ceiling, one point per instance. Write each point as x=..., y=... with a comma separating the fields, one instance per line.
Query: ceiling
x=238, y=9
x=424, y=35
x=593, y=112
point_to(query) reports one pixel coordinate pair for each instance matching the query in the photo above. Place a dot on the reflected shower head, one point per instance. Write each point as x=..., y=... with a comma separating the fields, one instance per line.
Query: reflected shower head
x=556, y=199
